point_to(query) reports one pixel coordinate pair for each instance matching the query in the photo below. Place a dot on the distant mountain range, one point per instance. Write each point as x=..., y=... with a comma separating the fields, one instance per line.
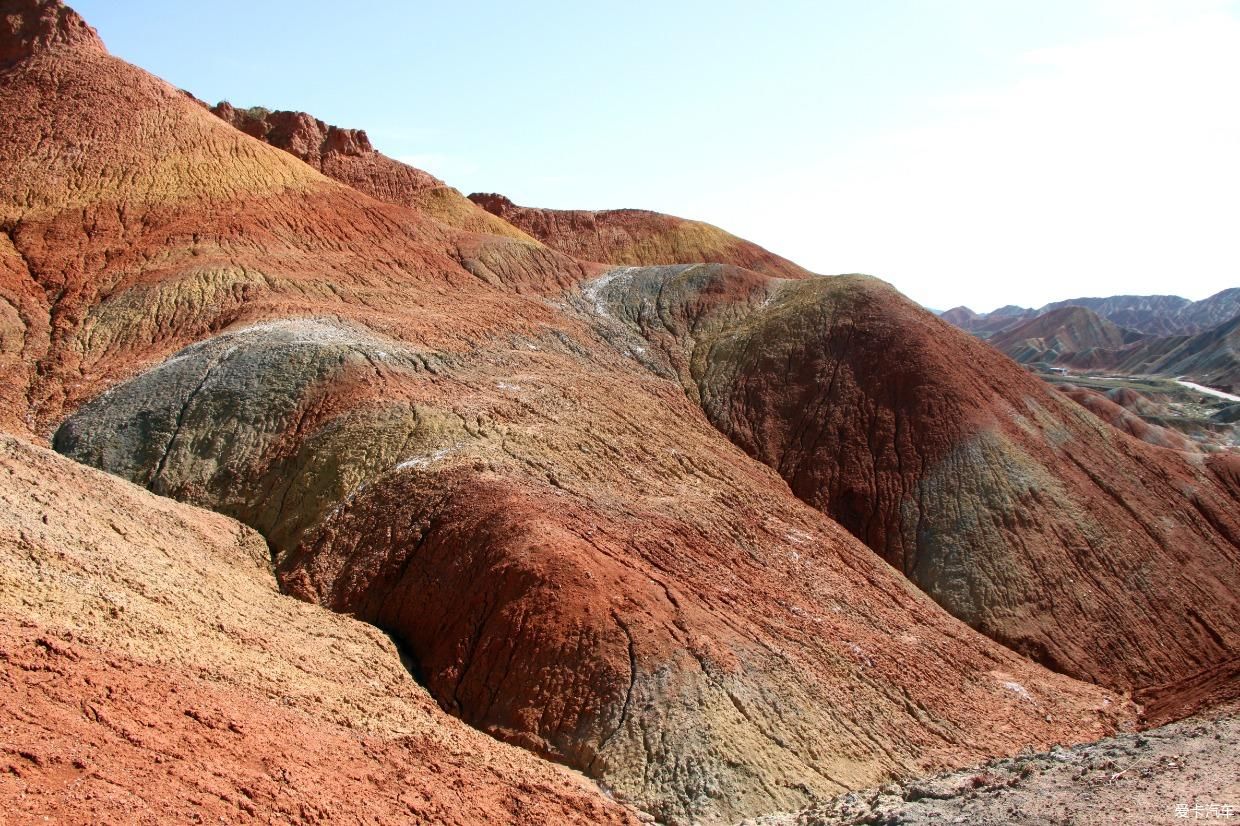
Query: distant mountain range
x=1160, y=315
x=1160, y=335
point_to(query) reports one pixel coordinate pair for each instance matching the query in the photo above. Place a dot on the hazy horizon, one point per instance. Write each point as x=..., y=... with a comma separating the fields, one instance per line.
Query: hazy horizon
x=1072, y=297
x=970, y=154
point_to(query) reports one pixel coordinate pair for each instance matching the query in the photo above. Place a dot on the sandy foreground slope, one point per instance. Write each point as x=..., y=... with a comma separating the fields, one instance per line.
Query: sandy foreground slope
x=153, y=673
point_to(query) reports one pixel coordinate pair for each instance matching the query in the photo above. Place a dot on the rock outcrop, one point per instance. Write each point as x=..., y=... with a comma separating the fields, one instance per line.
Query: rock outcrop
x=34, y=28
x=347, y=156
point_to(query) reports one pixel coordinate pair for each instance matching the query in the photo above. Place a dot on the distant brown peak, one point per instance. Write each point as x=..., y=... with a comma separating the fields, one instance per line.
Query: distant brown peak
x=29, y=27
x=959, y=316
x=297, y=133
x=1072, y=312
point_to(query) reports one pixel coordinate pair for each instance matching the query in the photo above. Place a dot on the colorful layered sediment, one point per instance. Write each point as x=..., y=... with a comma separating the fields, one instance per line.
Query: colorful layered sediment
x=1078, y=338
x=1015, y=509
x=1070, y=336
x=636, y=237
x=584, y=568
x=346, y=155
x=518, y=464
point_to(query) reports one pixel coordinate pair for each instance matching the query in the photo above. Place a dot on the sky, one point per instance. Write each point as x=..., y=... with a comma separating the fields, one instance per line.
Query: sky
x=978, y=152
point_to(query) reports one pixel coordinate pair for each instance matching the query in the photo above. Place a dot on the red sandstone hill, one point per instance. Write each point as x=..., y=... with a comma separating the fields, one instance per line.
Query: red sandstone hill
x=1161, y=315
x=636, y=237
x=1069, y=336
x=515, y=463
x=984, y=325
x=1014, y=508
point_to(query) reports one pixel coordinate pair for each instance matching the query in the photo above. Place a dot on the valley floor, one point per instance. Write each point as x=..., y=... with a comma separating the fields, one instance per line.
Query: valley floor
x=1209, y=391
x=1194, y=410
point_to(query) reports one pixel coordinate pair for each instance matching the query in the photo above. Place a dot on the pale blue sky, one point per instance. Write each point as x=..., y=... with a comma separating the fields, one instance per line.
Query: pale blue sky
x=983, y=152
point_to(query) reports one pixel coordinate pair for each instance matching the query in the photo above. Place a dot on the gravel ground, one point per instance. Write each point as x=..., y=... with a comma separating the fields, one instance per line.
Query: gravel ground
x=1185, y=772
